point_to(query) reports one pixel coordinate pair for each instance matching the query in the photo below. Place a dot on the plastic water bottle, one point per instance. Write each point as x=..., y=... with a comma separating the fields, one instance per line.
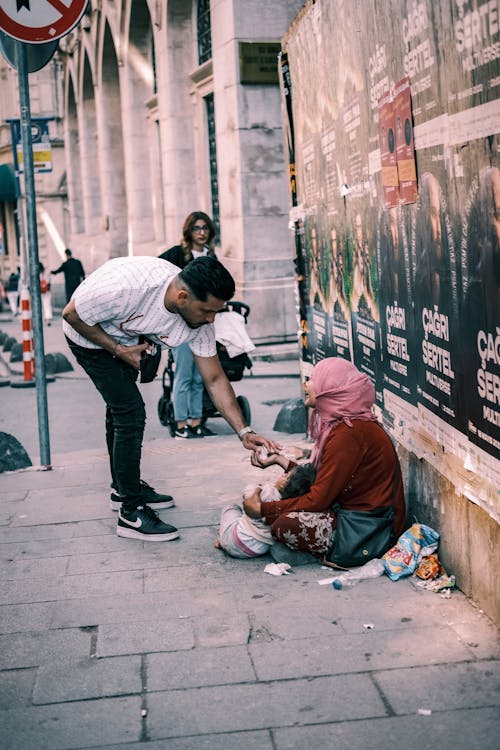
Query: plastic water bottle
x=372, y=569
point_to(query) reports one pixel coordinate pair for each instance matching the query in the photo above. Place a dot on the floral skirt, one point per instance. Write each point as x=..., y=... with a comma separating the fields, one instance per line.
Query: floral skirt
x=304, y=531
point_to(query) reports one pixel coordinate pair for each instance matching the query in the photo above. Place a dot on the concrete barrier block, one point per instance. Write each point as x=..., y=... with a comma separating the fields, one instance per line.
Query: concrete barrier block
x=62, y=363
x=16, y=353
x=12, y=454
x=292, y=417
x=9, y=343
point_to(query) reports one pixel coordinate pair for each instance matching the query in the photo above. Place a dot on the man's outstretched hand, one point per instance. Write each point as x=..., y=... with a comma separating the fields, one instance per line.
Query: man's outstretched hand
x=251, y=441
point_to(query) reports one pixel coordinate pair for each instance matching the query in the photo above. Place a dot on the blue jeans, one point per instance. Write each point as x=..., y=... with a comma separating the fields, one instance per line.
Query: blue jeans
x=125, y=417
x=187, y=394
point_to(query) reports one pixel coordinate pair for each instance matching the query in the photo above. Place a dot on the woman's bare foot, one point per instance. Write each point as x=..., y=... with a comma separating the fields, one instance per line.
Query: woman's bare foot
x=217, y=544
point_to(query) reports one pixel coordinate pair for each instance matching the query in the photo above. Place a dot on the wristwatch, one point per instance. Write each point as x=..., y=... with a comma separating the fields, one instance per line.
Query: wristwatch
x=245, y=431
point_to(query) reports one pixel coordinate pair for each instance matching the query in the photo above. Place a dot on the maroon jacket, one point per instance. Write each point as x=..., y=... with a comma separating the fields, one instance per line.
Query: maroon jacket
x=357, y=471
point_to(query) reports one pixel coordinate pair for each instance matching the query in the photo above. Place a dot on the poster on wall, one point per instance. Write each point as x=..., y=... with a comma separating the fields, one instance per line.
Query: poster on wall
x=388, y=159
x=318, y=319
x=480, y=335
x=420, y=43
x=363, y=301
x=397, y=321
x=435, y=287
x=405, y=153
x=338, y=308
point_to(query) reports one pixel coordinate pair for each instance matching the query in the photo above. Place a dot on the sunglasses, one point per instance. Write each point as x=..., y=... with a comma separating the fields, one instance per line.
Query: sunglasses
x=204, y=228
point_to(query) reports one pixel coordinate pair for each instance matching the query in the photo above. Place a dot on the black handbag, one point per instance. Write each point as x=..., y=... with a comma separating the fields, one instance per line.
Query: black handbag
x=360, y=536
x=150, y=360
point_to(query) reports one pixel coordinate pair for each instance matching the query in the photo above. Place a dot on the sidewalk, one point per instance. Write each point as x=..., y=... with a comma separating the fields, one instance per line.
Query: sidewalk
x=114, y=643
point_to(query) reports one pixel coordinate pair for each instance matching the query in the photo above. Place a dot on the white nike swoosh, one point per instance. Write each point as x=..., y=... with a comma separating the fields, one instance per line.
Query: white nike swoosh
x=136, y=524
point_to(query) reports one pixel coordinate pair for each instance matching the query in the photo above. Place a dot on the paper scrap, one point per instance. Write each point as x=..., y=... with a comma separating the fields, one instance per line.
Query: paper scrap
x=277, y=569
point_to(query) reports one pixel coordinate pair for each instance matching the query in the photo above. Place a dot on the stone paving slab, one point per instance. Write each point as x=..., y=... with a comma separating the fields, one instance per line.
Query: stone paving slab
x=129, y=557
x=65, y=726
x=12, y=535
x=145, y=636
x=260, y=740
x=213, y=630
x=21, y=618
x=76, y=477
x=8, y=512
x=470, y=729
x=250, y=707
x=30, y=649
x=69, y=587
x=64, y=506
x=49, y=567
x=184, y=576
x=98, y=610
x=441, y=687
x=48, y=548
x=12, y=495
x=67, y=680
x=357, y=653
x=480, y=635
x=199, y=668
x=16, y=688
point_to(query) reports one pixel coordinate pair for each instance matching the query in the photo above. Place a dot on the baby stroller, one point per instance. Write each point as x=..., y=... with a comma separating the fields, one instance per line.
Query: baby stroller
x=234, y=366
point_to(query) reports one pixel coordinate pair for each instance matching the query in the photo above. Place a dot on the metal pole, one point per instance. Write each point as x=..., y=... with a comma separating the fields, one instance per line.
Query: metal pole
x=34, y=275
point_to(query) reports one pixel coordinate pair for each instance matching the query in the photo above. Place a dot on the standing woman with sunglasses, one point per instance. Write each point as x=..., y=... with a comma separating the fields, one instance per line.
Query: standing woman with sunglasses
x=198, y=234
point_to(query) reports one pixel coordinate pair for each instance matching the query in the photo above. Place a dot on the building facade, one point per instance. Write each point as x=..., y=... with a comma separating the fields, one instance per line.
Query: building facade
x=172, y=107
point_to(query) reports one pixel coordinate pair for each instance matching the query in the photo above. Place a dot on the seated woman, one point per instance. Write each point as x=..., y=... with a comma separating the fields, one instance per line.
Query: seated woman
x=357, y=466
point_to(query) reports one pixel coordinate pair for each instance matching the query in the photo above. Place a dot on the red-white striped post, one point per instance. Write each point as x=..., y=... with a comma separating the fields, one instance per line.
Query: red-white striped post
x=27, y=328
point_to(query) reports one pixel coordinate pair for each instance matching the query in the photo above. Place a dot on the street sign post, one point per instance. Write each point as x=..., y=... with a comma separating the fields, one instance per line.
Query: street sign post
x=40, y=21
x=34, y=273
x=36, y=22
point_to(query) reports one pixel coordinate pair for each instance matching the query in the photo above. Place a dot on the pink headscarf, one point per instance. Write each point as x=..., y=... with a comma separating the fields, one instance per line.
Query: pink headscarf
x=342, y=393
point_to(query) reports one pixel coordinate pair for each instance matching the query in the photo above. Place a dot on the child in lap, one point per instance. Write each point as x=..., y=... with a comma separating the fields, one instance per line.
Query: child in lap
x=244, y=537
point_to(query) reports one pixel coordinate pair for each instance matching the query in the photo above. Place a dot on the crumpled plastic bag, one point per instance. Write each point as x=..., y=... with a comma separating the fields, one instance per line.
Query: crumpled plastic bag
x=429, y=568
x=441, y=583
x=416, y=542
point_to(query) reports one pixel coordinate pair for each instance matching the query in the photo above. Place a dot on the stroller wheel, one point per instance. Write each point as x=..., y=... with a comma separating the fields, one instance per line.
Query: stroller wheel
x=162, y=411
x=166, y=414
x=244, y=405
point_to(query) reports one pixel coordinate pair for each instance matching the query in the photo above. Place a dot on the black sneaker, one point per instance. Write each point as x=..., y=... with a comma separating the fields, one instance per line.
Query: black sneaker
x=144, y=523
x=182, y=433
x=154, y=499
x=195, y=432
x=201, y=431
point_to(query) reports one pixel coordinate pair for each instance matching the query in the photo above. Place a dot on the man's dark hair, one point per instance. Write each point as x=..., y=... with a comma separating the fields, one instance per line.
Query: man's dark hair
x=299, y=480
x=68, y=252
x=206, y=275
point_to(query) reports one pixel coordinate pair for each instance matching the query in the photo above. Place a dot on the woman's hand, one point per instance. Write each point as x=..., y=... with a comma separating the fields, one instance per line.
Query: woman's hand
x=252, y=504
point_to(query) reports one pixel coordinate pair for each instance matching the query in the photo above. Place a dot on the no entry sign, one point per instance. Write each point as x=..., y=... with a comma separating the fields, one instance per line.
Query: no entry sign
x=40, y=21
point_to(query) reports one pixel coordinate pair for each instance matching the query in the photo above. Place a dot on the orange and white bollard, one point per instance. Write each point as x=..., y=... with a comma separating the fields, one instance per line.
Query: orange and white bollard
x=27, y=328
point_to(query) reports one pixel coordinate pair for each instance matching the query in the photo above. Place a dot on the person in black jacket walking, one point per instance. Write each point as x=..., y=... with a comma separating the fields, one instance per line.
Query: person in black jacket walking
x=12, y=290
x=73, y=273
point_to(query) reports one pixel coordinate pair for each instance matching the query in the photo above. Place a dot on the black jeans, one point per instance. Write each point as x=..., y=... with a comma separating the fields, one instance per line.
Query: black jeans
x=125, y=417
